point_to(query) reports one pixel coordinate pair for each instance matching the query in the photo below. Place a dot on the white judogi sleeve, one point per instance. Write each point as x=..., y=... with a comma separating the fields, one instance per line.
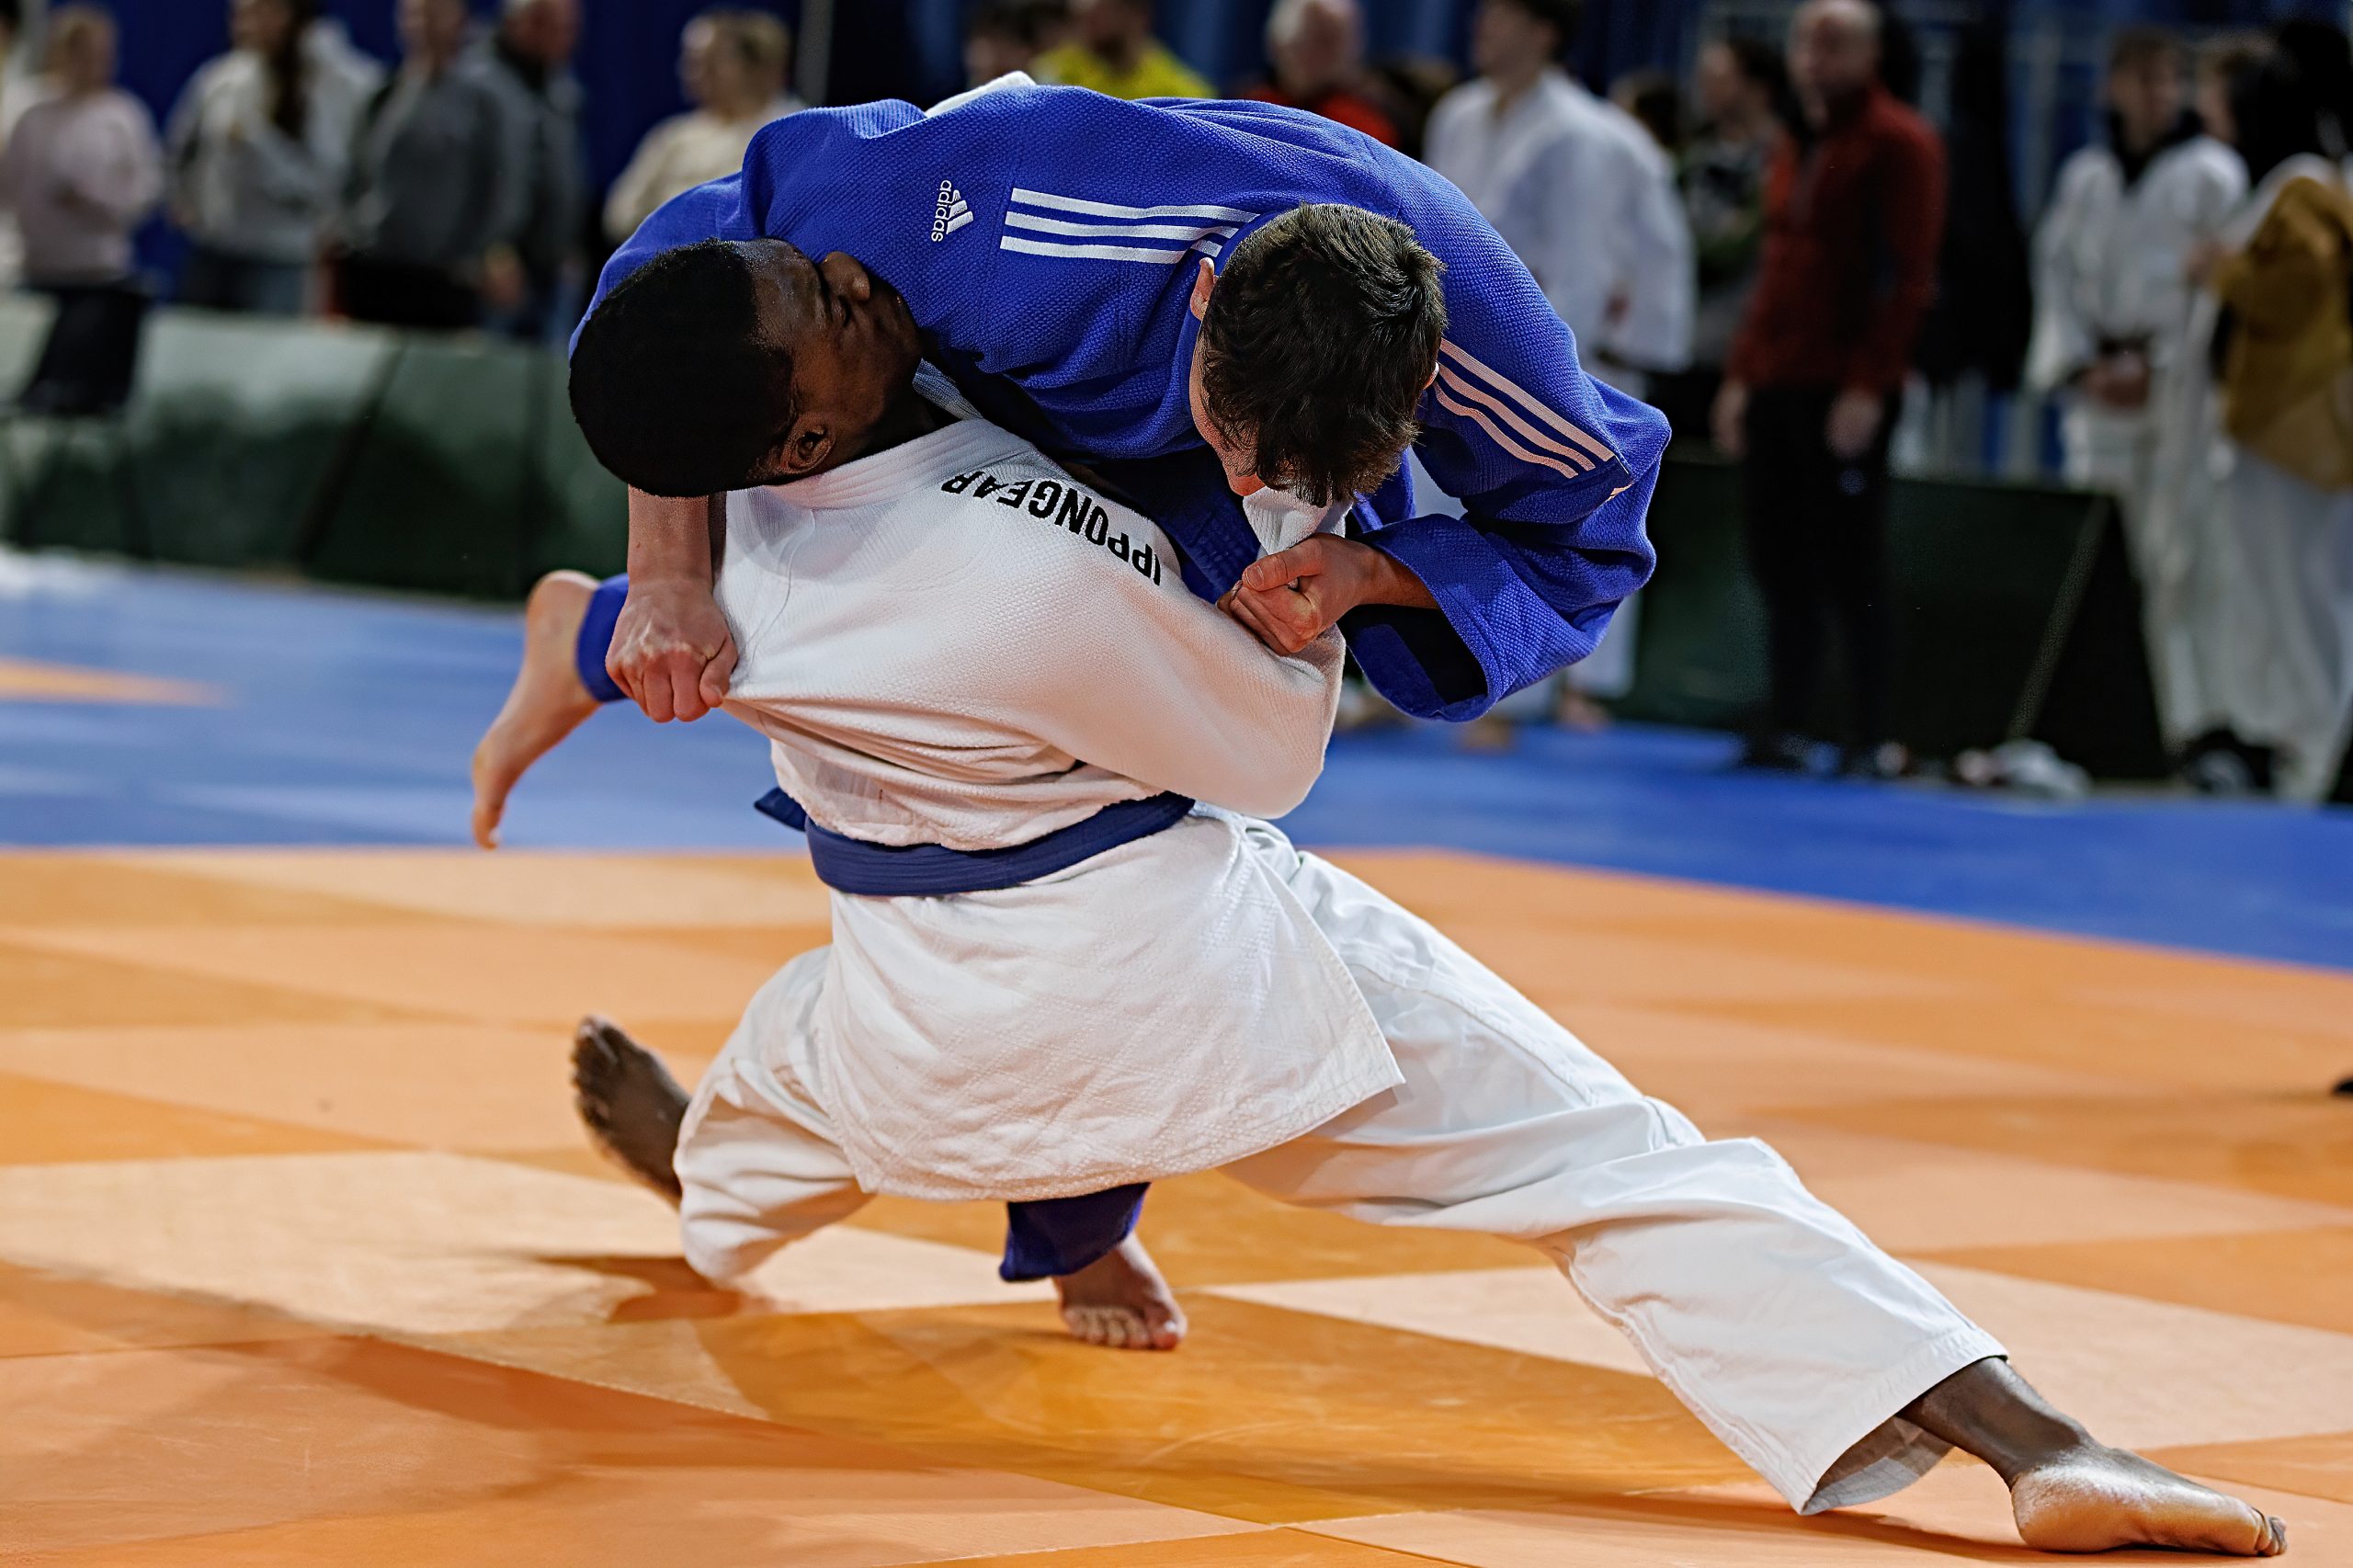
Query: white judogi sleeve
x=2076, y=227
x=1659, y=268
x=2193, y=190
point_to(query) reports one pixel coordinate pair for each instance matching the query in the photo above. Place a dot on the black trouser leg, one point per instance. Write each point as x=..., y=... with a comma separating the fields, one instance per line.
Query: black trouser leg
x=1783, y=480
x=1861, y=592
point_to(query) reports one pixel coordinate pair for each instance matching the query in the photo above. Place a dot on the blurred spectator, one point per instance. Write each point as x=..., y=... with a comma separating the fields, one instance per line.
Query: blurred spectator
x=1654, y=101
x=1975, y=339
x=2275, y=604
x=732, y=65
x=1740, y=87
x=2180, y=535
x=1853, y=217
x=2111, y=269
x=1112, y=51
x=22, y=85
x=1575, y=187
x=357, y=75
x=83, y=169
x=258, y=147
x=1587, y=199
x=1316, y=48
x=1004, y=36
x=433, y=188
x=534, y=280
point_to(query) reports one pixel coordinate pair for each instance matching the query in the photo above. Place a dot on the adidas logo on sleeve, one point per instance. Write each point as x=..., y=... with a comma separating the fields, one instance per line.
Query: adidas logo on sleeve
x=950, y=214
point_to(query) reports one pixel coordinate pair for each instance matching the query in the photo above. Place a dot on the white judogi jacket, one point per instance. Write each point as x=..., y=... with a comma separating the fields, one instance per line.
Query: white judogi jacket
x=2109, y=266
x=1068, y=670
x=1586, y=199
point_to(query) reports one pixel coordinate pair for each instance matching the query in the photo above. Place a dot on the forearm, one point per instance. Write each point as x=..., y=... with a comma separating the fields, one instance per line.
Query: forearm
x=674, y=539
x=1395, y=584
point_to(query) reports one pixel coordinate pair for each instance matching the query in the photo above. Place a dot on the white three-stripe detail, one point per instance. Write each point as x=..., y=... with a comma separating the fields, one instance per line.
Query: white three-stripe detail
x=1532, y=406
x=1128, y=231
x=1105, y=253
x=1455, y=382
x=1446, y=399
x=1099, y=240
x=1106, y=209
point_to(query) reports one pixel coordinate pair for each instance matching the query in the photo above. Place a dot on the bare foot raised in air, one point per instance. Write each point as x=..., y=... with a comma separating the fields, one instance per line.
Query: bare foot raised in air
x=1120, y=1301
x=546, y=703
x=629, y=1102
x=2101, y=1498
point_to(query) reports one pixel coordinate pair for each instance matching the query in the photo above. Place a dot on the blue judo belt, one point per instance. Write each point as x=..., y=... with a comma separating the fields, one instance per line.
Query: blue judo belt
x=1046, y=1237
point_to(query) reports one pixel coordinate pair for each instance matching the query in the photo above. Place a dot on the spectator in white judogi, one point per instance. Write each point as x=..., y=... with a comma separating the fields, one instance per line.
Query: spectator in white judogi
x=2111, y=261
x=1577, y=187
x=1588, y=198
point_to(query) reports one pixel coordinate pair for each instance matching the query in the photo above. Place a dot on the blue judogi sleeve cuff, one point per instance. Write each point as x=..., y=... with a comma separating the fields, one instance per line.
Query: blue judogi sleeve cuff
x=597, y=639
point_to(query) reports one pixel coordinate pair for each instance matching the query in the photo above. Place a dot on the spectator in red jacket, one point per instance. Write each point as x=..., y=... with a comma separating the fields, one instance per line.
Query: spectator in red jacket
x=1317, y=50
x=1853, y=214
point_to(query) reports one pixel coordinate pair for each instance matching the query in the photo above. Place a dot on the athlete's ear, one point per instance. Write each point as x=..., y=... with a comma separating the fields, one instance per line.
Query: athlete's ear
x=805, y=447
x=1203, y=281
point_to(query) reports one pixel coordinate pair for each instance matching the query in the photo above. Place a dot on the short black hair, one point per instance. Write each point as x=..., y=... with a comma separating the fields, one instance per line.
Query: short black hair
x=673, y=381
x=1319, y=340
x=1566, y=18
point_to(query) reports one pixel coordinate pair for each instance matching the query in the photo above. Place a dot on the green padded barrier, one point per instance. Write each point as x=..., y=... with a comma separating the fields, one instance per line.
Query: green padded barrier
x=584, y=522
x=439, y=491
x=234, y=426
x=448, y=464
x=2098, y=706
x=1700, y=653
x=1981, y=575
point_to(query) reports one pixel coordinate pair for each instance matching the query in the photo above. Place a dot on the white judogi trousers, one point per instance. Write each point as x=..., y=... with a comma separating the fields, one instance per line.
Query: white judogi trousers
x=1767, y=1312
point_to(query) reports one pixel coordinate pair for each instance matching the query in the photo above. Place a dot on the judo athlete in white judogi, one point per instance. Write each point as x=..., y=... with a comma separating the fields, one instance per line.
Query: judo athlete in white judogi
x=972, y=665
x=2114, y=308
x=1587, y=199
x=2112, y=257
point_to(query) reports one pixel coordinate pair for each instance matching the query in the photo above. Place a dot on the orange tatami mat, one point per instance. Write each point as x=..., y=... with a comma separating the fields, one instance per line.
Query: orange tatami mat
x=303, y=1261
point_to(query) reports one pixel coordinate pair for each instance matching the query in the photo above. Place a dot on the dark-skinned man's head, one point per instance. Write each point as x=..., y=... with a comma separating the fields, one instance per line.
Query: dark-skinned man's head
x=735, y=363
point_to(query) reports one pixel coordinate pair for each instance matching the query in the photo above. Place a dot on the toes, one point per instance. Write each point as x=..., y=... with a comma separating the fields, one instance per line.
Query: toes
x=1112, y=1328
x=2277, y=1541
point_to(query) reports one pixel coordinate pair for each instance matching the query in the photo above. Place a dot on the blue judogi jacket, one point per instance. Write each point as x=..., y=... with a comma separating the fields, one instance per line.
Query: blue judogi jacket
x=1045, y=237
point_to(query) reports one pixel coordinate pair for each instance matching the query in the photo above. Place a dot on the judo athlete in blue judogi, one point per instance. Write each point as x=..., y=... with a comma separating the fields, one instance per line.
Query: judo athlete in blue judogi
x=1050, y=244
